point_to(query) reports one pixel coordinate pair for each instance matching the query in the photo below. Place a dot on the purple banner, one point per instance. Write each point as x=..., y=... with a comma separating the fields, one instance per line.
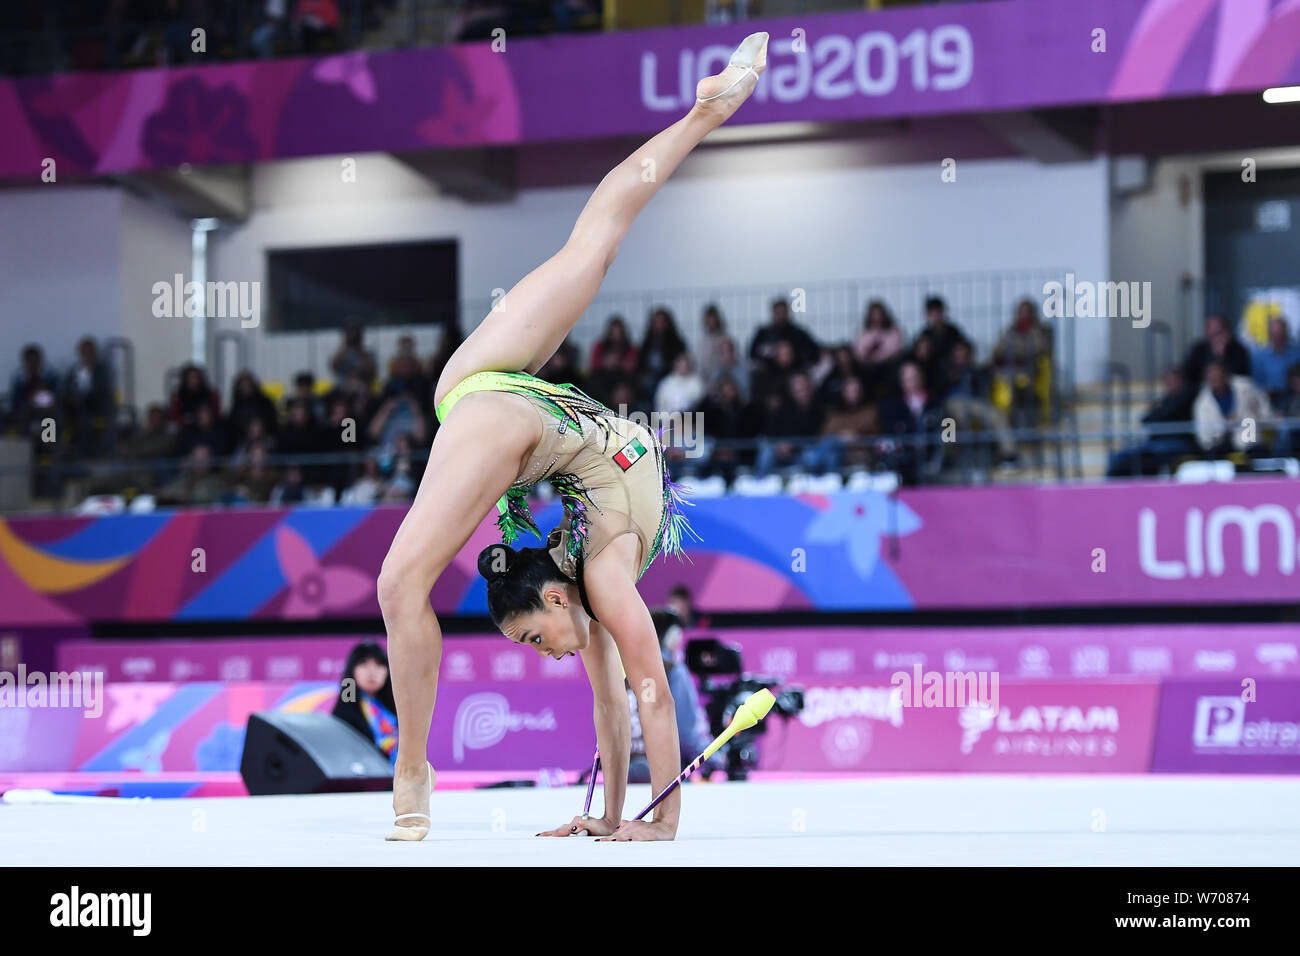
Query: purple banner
x=1221, y=727
x=920, y=60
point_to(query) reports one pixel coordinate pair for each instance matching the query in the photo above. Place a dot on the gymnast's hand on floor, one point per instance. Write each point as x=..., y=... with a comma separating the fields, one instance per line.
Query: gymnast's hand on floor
x=640, y=831
x=592, y=826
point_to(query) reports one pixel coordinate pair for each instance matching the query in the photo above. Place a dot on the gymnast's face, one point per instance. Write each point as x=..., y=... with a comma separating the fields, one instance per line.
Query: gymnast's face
x=557, y=630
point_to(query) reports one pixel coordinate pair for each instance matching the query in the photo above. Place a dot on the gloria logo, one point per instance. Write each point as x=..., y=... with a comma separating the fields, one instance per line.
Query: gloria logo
x=1221, y=726
x=1204, y=534
x=822, y=704
x=483, y=720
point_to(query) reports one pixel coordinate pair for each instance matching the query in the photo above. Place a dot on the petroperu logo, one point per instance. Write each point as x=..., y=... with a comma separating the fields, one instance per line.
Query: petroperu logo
x=822, y=704
x=1221, y=727
x=483, y=720
x=1049, y=731
x=1203, y=542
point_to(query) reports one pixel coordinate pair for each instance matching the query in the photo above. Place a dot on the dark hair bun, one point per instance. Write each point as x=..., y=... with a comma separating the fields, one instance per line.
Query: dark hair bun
x=494, y=562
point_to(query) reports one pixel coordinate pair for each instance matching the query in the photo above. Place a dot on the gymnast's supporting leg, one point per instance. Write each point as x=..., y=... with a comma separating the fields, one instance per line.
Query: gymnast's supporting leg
x=534, y=317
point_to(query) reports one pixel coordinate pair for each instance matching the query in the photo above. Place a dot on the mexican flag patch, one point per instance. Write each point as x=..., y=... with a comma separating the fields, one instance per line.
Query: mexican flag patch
x=630, y=454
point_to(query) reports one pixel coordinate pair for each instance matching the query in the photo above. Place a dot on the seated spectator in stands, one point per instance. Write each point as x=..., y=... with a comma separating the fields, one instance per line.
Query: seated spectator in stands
x=615, y=343
x=659, y=350
x=208, y=430
x=726, y=417
x=1221, y=345
x=966, y=399
x=852, y=420
x=715, y=341
x=842, y=366
x=304, y=390
x=682, y=389
x=624, y=399
x=728, y=364
x=290, y=489
x=361, y=401
x=879, y=347
x=254, y=437
x=911, y=419
x=924, y=352
x=198, y=483
x=89, y=401
x=605, y=377
x=254, y=480
x=340, y=436
x=1229, y=411
x=400, y=471
x=152, y=441
x=368, y=489
x=780, y=329
x=562, y=367
x=316, y=25
x=353, y=358
x=1271, y=363
x=248, y=403
x=365, y=701
x=942, y=331
x=798, y=416
x=1160, y=449
x=269, y=36
x=1016, y=359
x=406, y=377
x=772, y=380
x=193, y=392
x=33, y=393
x=1288, y=406
x=300, y=436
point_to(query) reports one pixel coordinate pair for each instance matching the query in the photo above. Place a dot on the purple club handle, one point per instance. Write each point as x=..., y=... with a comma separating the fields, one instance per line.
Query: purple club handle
x=591, y=784
x=694, y=766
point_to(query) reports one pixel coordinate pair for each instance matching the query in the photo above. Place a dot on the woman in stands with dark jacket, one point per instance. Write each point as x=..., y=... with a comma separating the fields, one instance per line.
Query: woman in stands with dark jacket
x=366, y=698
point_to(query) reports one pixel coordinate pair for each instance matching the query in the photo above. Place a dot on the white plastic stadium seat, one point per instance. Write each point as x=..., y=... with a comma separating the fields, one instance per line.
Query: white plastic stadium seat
x=143, y=504
x=714, y=486
x=1196, y=472
x=801, y=484
x=884, y=482
x=102, y=505
x=756, y=487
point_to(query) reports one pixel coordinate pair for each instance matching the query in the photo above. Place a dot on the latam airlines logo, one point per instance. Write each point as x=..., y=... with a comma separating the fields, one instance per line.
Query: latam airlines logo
x=1204, y=537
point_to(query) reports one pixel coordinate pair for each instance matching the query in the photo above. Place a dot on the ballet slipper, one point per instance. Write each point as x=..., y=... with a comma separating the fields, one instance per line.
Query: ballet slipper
x=721, y=95
x=413, y=831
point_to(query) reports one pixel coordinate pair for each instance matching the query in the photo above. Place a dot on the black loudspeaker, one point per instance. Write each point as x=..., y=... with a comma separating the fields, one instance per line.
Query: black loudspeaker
x=309, y=753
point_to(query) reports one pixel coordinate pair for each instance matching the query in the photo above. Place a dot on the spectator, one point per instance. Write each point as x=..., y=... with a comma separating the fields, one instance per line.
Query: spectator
x=614, y=343
x=727, y=364
x=88, y=398
x=562, y=367
x=304, y=391
x=269, y=36
x=289, y=490
x=798, y=416
x=682, y=603
x=851, y=422
x=716, y=345
x=316, y=23
x=406, y=377
x=879, y=346
x=300, y=436
x=1272, y=363
x=942, y=331
x=966, y=398
x=1220, y=344
x=365, y=701
x=1016, y=358
x=207, y=431
x=1228, y=411
x=353, y=358
x=780, y=329
x=843, y=365
x=341, y=438
x=727, y=417
x=925, y=354
x=400, y=470
x=606, y=377
x=624, y=399
x=197, y=484
x=682, y=389
x=249, y=403
x=772, y=381
x=254, y=481
x=151, y=442
x=192, y=393
x=368, y=488
x=1161, y=449
x=911, y=420
x=33, y=394
x=659, y=350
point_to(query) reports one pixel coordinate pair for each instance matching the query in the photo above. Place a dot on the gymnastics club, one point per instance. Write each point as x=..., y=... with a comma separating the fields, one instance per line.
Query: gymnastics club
x=591, y=785
x=749, y=713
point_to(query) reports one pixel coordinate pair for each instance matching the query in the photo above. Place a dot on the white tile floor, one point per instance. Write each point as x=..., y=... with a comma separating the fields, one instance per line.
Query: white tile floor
x=911, y=820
